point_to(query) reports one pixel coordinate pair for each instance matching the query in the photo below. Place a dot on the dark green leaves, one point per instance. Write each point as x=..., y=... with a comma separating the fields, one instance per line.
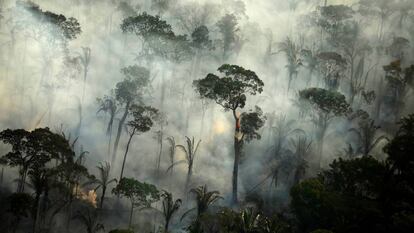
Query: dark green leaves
x=143, y=118
x=251, y=122
x=131, y=89
x=140, y=194
x=329, y=102
x=230, y=90
x=146, y=25
x=200, y=38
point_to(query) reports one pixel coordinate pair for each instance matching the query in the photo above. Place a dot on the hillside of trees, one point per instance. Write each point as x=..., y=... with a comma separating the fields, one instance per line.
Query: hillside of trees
x=235, y=116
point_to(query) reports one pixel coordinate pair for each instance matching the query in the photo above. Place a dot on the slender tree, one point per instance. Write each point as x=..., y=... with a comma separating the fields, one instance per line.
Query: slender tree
x=143, y=117
x=103, y=180
x=128, y=92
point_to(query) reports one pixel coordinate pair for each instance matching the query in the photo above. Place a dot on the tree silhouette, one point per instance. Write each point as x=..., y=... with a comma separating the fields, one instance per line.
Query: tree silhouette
x=204, y=199
x=32, y=149
x=143, y=117
x=292, y=52
x=128, y=92
x=169, y=208
x=103, y=180
x=141, y=195
x=230, y=92
x=228, y=29
x=190, y=152
x=326, y=106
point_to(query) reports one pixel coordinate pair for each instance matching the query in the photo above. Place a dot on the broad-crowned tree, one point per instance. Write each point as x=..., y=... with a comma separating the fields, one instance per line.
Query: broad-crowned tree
x=152, y=30
x=141, y=195
x=229, y=91
x=32, y=149
x=326, y=105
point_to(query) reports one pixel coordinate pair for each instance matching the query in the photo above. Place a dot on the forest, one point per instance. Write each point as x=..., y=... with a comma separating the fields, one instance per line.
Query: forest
x=206, y=116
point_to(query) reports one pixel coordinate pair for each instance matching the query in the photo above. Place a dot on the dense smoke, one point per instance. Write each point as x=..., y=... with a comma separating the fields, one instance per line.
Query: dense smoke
x=43, y=83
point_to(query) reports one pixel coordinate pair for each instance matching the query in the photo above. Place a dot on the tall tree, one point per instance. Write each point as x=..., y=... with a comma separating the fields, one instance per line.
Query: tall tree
x=292, y=52
x=230, y=92
x=128, y=92
x=143, y=117
x=326, y=106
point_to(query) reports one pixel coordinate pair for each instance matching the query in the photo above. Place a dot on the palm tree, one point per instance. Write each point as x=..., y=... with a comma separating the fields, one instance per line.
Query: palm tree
x=302, y=147
x=104, y=180
x=367, y=136
x=169, y=208
x=85, y=59
x=190, y=153
x=39, y=179
x=204, y=200
x=292, y=52
x=172, y=151
x=108, y=105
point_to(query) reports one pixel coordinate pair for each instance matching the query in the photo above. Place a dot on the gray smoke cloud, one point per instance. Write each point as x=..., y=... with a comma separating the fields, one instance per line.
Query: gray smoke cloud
x=38, y=90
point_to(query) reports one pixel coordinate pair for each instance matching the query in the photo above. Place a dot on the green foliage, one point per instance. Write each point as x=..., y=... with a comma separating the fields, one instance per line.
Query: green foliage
x=33, y=149
x=140, y=194
x=200, y=38
x=143, y=118
x=327, y=102
x=230, y=90
x=361, y=194
x=147, y=26
x=65, y=28
x=131, y=89
x=401, y=148
x=361, y=177
x=251, y=122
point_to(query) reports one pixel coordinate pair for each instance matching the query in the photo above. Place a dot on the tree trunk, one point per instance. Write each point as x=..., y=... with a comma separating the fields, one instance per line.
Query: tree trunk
x=36, y=212
x=322, y=130
x=126, y=153
x=119, y=132
x=102, y=197
x=167, y=223
x=188, y=179
x=160, y=149
x=237, y=153
x=130, y=215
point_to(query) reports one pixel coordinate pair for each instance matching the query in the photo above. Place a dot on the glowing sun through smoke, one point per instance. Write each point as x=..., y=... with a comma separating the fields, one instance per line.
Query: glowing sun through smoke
x=220, y=126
